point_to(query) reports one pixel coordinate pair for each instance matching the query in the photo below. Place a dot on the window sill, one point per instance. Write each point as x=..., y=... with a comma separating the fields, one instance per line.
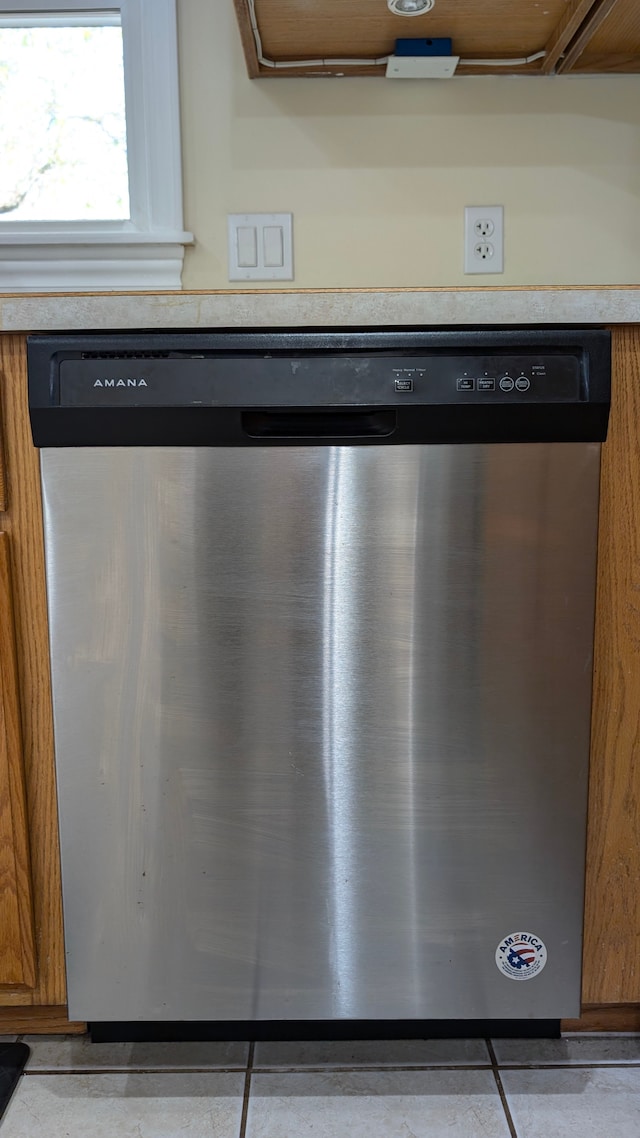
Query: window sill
x=95, y=262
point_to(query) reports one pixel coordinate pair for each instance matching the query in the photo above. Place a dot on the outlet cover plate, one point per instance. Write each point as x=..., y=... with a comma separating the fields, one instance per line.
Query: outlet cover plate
x=477, y=233
x=260, y=246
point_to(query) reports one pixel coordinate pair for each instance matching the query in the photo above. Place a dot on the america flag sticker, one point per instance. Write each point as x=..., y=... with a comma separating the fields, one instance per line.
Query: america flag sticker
x=521, y=956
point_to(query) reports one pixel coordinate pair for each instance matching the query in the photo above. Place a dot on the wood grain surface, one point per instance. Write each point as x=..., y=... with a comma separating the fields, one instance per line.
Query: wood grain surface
x=611, y=1017
x=569, y=24
x=594, y=35
x=17, y=957
x=247, y=37
x=611, y=972
x=368, y=30
x=584, y=37
x=620, y=63
x=23, y=523
x=620, y=33
x=3, y=476
x=38, y=1021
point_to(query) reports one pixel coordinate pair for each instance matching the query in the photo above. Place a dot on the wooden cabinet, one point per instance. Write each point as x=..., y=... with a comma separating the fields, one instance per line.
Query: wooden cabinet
x=17, y=949
x=31, y=940
x=17, y=956
x=611, y=40
x=612, y=916
x=556, y=37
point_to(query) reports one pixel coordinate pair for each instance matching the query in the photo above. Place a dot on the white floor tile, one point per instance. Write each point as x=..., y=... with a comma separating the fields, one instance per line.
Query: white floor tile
x=587, y=1103
x=77, y=1053
x=578, y=1048
x=375, y=1104
x=373, y=1053
x=129, y=1106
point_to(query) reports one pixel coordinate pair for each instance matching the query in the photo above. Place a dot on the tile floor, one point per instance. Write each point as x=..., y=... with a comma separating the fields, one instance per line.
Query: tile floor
x=581, y=1086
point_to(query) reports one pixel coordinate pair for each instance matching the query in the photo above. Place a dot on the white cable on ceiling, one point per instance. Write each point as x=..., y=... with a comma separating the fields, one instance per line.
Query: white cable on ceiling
x=502, y=62
x=381, y=60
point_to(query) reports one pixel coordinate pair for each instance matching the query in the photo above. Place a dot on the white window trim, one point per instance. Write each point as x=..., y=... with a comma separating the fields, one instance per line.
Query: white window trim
x=145, y=251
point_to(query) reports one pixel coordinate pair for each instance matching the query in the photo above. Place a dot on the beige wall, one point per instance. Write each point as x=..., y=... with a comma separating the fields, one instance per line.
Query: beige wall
x=377, y=173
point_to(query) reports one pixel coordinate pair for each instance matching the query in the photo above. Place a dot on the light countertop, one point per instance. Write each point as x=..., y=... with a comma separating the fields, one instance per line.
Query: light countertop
x=262, y=308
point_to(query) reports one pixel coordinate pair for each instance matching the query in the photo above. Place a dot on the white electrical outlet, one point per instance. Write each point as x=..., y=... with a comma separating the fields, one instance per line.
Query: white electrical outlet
x=484, y=239
x=483, y=251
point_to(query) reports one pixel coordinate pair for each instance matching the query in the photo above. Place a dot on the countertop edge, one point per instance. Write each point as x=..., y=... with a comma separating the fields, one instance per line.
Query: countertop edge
x=261, y=308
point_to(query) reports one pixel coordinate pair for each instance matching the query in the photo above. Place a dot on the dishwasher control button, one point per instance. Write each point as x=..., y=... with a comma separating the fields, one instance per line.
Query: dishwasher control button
x=486, y=384
x=506, y=383
x=466, y=384
x=522, y=383
x=404, y=385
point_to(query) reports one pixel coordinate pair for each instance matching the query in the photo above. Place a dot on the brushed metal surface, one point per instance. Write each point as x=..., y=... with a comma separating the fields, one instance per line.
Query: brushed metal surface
x=322, y=726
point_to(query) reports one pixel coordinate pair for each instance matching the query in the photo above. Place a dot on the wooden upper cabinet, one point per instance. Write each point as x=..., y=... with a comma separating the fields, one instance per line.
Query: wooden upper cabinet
x=585, y=35
x=614, y=42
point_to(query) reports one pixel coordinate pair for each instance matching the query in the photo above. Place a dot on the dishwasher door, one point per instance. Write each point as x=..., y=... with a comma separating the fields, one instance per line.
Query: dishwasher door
x=322, y=727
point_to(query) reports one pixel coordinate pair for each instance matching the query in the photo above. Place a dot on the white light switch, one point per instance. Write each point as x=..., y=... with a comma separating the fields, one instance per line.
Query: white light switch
x=273, y=246
x=260, y=246
x=247, y=246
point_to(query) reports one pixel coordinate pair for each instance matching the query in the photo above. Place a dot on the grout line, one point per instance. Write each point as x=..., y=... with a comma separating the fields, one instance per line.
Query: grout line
x=247, y=1091
x=446, y=1067
x=51, y=1071
x=320, y=1068
x=602, y=1066
x=501, y=1091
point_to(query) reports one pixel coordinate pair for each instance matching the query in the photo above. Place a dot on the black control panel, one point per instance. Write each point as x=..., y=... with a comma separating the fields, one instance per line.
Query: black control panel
x=316, y=380
x=390, y=386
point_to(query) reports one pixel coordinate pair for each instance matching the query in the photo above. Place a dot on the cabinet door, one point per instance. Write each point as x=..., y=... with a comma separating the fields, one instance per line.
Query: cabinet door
x=17, y=959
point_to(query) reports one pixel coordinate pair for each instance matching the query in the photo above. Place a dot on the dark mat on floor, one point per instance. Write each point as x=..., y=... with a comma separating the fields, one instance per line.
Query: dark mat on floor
x=13, y=1057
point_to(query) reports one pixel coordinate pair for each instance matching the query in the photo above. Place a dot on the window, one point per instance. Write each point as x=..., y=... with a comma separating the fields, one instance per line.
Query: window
x=63, y=126
x=90, y=171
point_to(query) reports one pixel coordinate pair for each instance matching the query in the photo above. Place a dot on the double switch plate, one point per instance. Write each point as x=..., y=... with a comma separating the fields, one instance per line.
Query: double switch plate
x=260, y=247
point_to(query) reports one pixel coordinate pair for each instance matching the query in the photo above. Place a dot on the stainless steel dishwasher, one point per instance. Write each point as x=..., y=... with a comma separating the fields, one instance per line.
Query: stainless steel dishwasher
x=321, y=615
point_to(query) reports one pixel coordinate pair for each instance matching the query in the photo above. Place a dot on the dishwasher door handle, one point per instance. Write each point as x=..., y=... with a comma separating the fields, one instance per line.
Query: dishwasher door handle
x=321, y=424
